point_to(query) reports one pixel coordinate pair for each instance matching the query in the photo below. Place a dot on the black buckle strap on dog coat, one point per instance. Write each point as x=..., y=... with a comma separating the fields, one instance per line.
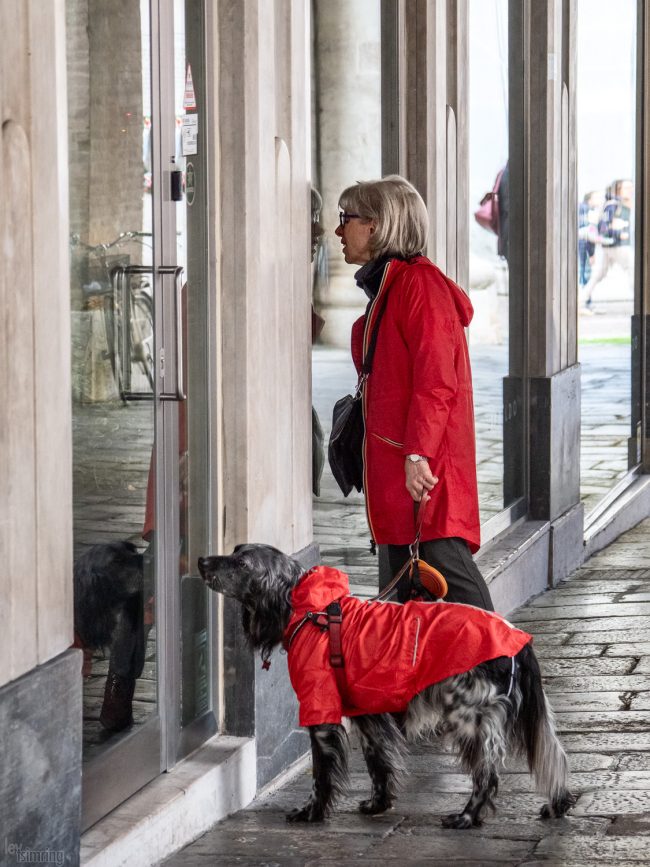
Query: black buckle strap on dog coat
x=334, y=620
x=330, y=619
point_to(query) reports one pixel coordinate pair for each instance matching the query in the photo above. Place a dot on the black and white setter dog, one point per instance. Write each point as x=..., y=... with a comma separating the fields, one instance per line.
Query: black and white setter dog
x=493, y=708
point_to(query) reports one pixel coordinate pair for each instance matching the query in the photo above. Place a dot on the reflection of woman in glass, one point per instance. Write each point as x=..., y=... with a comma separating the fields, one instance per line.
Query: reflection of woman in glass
x=418, y=405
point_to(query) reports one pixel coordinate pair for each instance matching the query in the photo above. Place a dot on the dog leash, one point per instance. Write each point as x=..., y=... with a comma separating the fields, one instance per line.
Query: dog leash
x=437, y=581
x=414, y=550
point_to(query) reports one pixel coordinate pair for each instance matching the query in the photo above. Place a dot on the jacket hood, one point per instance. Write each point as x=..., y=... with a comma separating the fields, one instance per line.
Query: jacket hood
x=317, y=588
x=460, y=298
x=461, y=301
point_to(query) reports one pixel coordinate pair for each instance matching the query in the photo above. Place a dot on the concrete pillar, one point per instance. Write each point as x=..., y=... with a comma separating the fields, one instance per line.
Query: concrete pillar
x=554, y=423
x=347, y=71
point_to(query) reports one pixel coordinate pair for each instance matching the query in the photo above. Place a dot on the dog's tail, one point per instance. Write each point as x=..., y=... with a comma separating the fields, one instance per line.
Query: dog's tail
x=535, y=729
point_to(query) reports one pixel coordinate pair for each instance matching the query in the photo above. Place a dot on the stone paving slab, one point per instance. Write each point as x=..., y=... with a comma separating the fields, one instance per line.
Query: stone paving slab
x=575, y=651
x=613, y=742
x=600, y=701
x=446, y=847
x=562, y=612
x=593, y=667
x=597, y=849
x=639, y=647
x=630, y=623
x=643, y=665
x=631, y=761
x=602, y=721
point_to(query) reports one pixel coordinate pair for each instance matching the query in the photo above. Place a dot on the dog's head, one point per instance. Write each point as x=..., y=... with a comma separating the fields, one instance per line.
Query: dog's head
x=261, y=578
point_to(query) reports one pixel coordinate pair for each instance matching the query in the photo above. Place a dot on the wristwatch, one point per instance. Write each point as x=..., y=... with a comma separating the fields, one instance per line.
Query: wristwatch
x=414, y=459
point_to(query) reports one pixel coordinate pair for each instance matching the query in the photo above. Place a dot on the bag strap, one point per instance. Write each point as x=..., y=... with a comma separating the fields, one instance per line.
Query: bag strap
x=366, y=367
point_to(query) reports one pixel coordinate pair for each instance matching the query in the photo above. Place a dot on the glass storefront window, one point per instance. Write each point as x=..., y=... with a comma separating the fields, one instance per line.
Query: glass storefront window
x=346, y=147
x=140, y=372
x=609, y=320
x=495, y=264
x=112, y=364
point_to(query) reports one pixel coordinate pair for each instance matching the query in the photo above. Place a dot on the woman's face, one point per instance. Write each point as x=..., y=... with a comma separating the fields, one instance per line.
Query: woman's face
x=355, y=236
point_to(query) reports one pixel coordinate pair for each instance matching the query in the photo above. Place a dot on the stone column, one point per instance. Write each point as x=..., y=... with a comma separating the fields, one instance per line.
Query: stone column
x=554, y=422
x=347, y=105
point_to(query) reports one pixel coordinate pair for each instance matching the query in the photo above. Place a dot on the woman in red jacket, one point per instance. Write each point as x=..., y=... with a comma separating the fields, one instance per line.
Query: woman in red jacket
x=418, y=407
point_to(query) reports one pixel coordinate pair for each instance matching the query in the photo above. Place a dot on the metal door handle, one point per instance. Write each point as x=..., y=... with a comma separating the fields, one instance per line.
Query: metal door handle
x=179, y=392
x=122, y=304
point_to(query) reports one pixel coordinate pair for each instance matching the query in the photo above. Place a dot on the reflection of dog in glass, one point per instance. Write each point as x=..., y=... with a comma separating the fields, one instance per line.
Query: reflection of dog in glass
x=108, y=612
x=440, y=669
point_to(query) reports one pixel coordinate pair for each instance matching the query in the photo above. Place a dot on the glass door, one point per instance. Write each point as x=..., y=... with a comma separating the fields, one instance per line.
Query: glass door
x=185, y=238
x=139, y=322
x=496, y=258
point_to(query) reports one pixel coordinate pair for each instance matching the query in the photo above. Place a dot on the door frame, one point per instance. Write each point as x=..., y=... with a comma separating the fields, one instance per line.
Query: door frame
x=140, y=756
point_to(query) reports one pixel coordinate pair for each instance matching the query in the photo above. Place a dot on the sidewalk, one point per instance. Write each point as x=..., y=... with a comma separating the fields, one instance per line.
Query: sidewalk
x=592, y=635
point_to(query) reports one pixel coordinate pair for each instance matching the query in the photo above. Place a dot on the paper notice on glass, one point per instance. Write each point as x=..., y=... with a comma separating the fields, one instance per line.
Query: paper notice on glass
x=190, y=135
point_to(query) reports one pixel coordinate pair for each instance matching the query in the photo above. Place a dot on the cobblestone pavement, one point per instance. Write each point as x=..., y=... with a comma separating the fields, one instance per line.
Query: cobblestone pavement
x=592, y=634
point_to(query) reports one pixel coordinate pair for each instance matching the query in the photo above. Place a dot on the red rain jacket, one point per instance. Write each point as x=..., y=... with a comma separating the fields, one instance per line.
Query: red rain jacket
x=391, y=652
x=418, y=400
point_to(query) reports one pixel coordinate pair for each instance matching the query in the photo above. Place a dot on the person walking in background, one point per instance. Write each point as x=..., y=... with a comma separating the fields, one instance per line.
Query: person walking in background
x=417, y=401
x=589, y=211
x=614, y=239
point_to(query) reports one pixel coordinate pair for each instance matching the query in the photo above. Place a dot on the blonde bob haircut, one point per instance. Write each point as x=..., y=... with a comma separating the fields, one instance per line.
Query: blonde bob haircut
x=400, y=215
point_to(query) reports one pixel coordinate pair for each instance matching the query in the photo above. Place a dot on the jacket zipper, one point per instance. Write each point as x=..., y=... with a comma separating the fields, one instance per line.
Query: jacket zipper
x=366, y=334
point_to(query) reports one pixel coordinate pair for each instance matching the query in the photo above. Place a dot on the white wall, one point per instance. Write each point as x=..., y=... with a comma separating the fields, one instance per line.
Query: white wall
x=35, y=430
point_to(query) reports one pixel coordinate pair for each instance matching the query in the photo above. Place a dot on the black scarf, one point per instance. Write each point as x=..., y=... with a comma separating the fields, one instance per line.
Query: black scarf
x=370, y=275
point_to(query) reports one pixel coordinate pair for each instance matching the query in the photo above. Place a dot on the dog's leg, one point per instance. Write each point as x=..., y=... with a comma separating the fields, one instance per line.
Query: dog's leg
x=383, y=746
x=476, y=720
x=329, y=751
x=486, y=786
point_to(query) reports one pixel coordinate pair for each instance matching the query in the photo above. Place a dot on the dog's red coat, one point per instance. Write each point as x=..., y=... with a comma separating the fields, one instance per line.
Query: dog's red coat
x=391, y=651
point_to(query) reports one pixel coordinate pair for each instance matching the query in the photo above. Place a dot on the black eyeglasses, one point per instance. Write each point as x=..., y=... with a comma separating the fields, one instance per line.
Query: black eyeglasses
x=344, y=218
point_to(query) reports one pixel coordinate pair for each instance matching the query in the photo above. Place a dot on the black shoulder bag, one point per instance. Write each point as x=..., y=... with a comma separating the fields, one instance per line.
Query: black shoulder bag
x=345, y=450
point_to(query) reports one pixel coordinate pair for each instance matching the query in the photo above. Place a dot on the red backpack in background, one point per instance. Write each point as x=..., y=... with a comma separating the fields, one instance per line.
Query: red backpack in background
x=487, y=214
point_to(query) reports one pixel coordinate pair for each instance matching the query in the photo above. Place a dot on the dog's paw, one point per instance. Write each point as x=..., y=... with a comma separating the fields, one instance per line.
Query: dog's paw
x=304, y=814
x=374, y=806
x=458, y=821
x=559, y=806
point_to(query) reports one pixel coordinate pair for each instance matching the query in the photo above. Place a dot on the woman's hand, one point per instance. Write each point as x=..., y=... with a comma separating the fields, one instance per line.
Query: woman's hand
x=419, y=478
